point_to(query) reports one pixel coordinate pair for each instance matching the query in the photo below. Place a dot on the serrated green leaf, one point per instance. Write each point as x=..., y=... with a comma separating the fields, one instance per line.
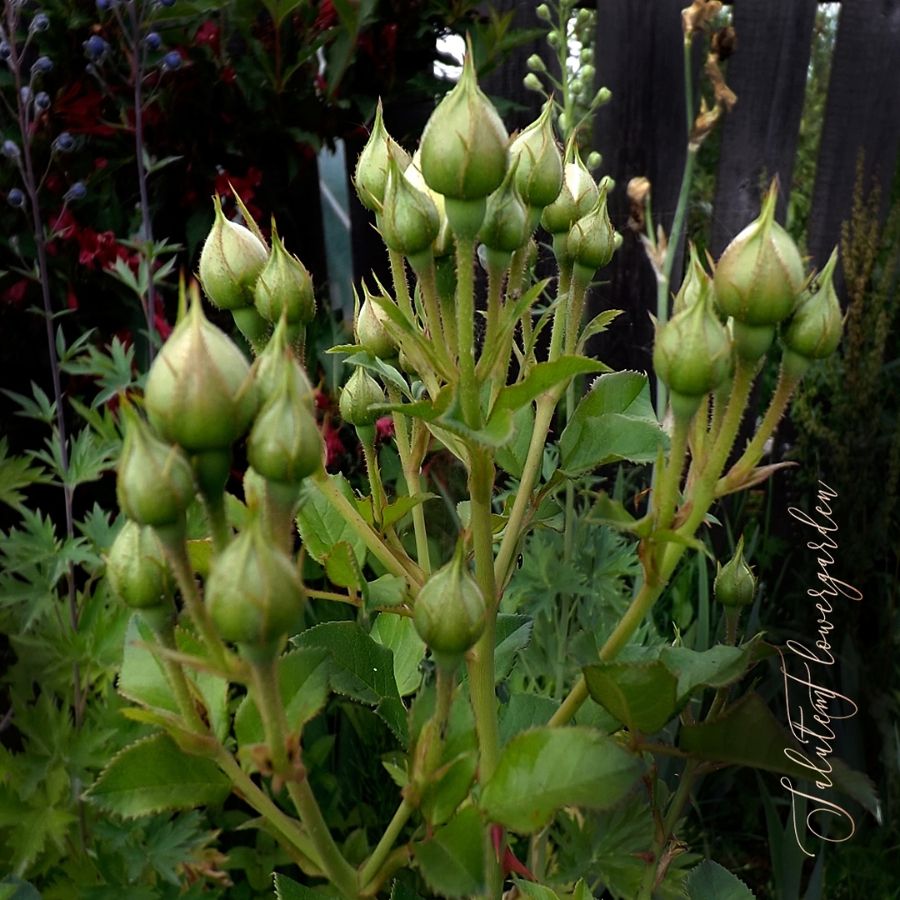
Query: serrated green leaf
x=452, y=862
x=642, y=696
x=142, y=678
x=362, y=669
x=383, y=370
x=524, y=711
x=399, y=635
x=719, y=666
x=598, y=324
x=534, y=890
x=288, y=889
x=303, y=681
x=343, y=569
x=542, y=770
x=544, y=376
x=387, y=590
x=396, y=510
x=513, y=636
x=614, y=421
x=153, y=775
x=710, y=881
x=17, y=472
x=448, y=788
x=322, y=526
x=402, y=892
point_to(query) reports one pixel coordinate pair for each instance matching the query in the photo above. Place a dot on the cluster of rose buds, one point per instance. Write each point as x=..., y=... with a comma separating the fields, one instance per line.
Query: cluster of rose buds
x=202, y=396
x=758, y=287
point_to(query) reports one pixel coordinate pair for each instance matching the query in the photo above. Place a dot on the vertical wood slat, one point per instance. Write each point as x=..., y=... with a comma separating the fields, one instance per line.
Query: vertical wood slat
x=641, y=132
x=862, y=113
x=759, y=139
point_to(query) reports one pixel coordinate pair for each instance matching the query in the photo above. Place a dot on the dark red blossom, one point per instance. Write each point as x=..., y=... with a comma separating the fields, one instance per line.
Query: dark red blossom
x=384, y=428
x=334, y=446
x=208, y=34
x=326, y=17
x=15, y=294
x=79, y=110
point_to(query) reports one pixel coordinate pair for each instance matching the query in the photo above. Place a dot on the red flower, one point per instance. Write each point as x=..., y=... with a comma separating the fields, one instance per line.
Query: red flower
x=208, y=33
x=327, y=16
x=99, y=250
x=384, y=428
x=71, y=299
x=334, y=446
x=163, y=328
x=80, y=109
x=244, y=185
x=15, y=294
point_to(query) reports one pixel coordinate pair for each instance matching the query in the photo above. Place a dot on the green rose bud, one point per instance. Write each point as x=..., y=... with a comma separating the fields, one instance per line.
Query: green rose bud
x=409, y=222
x=505, y=226
x=692, y=354
x=253, y=593
x=814, y=331
x=759, y=276
x=230, y=262
x=539, y=164
x=370, y=177
x=577, y=197
x=692, y=285
x=137, y=570
x=360, y=394
x=199, y=391
x=592, y=239
x=735, y=584
x=464, y=144
x=284, y=286
x=371, y=333
x=443, y=243
x=272, y=364
x=285, y=444
x=154, y=484
x=450, y=611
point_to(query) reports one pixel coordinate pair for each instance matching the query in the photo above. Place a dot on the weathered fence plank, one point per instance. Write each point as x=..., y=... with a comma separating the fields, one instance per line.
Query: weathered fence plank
x=862, y=114
x=759, y=139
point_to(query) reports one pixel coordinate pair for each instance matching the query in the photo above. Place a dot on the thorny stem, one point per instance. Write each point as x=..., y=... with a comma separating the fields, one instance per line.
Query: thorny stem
x=671, y=477
x=413, y=480
x=465, y=319
x=264, y=679
x=374, y=473
x=401, y=285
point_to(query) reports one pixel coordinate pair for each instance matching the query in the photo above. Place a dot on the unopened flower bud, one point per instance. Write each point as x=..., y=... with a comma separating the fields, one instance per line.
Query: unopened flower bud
x=692, y=354
x=371, y=334
x=592, y=239
x=759, y=276
x=543, y=12
x=154, y=484
x=370, y=177
x=285, y=444
x=535, y=63
x=199, y=390
x=359, y=397
x=253, y=593
x=539, y=164
x=450, y=611
x=409, y=220
x=693, y=284
x=814, y=331
x=533, y=83
x=505, y=225
x=735, y=584
x=274, y=362
x=602, y=97
x=577, y=197
x=284, y=286
x=137, y=570
x=443, y=243
x=464, y=154
x=230, y=262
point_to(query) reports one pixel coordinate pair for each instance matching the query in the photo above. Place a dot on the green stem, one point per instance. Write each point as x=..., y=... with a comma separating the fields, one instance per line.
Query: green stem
x=428, y=287
x=405, y=568
x=173, y=543
x=671, y=477
x=218, y=523
x=576, y=310
x=664, y=278
x=787, y=384
x=401, y=285
x=264, y=680
x=560, y=314
x=546, y=405
x=378, y=498
x=413, y=480
x=381, y=852
x=465, y=319
x=340, y=873
x=180, y=686
x=289, y=828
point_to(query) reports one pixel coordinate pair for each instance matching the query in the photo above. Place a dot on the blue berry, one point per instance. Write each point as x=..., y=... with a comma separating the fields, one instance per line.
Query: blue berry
x=167, y=3
x=171, y=61
x=153, y=41
x=5, y=51
x=104, y=5
x=25, y=94
x=10, y=149
x=41, y=22
x=64, y=142
x=95, y=47
x=42, y=101
x=76, y=192
x=15, y=198
x=42, y=65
